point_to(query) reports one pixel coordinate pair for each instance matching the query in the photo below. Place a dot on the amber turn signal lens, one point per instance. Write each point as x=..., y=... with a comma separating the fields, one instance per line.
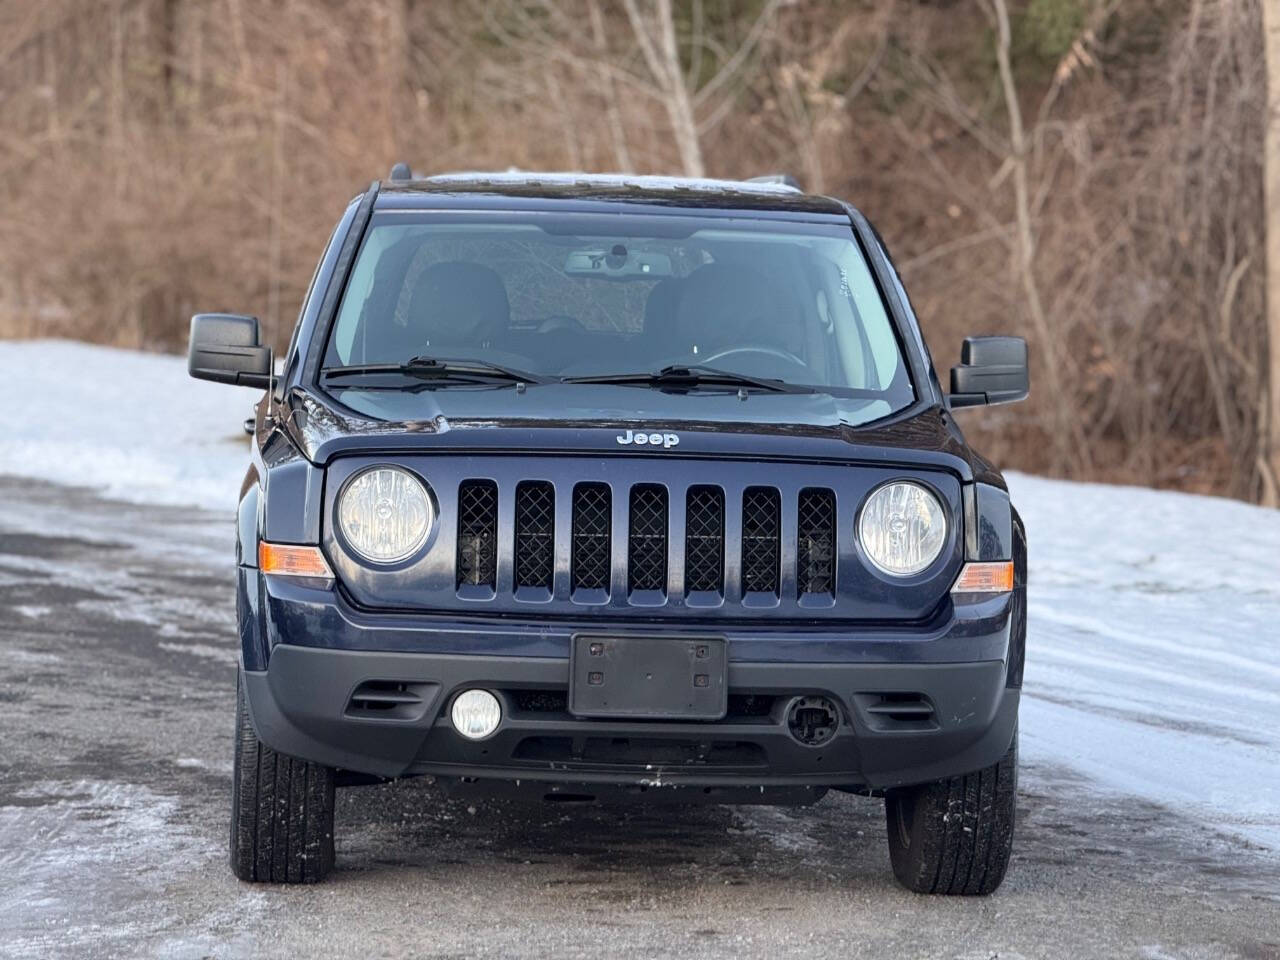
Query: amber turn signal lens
x=985, y=578
x=292, y=561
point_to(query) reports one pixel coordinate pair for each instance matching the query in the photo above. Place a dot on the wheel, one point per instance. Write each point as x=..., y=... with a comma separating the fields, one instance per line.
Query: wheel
x=281, y=811
x=954, y=836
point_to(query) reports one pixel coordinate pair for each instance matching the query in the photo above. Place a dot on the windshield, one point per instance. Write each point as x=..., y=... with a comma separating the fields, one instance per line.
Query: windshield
x=598, y=295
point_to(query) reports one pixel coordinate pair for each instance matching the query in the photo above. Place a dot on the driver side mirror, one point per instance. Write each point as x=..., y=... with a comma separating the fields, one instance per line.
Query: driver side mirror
x=225, y=348
x=991, y=370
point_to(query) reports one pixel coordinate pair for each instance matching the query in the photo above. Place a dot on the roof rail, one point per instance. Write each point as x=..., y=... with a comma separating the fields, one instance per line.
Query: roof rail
x=785, y=179
x=400, y=172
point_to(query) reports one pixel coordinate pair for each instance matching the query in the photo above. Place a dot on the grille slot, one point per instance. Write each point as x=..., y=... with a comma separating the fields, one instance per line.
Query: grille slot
x=816, y=549
x=535, y=533
x=761, y=539
x=477, y=533
x=592, y=530
x=647, y=538
x=704, y=540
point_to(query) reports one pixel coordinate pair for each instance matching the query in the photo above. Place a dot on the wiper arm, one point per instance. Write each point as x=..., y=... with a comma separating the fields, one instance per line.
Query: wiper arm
x=694, y=376
x=440, y=368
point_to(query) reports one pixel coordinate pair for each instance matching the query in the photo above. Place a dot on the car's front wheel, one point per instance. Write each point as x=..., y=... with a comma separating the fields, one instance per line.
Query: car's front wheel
x=281, y=811
x=954, y=836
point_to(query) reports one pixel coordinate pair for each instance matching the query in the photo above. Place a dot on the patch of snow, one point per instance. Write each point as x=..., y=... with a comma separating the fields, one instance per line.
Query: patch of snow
x=73, y=853
x=225, y=654
x=133, y=425
x=1153, y=651
x=17, y=655
x=33, y=612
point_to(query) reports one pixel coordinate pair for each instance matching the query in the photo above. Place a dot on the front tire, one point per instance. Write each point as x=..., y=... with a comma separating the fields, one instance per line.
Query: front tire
x=954, y=836
x=281, y=811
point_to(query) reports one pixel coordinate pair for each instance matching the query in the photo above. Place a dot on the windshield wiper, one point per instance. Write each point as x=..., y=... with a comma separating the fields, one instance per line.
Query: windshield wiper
x=440, y=368
x=694, y=376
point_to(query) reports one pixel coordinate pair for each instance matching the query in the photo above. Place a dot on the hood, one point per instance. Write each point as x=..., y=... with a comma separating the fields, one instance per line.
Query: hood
x=592, y=417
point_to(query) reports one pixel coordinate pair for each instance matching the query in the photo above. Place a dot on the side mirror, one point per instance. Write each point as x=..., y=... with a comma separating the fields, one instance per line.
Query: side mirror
x=992, y=370
x=225, y=348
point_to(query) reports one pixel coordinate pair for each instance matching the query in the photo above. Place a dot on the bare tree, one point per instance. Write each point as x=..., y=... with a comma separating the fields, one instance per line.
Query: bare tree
x=656, y=37
x=1269, y=455
x=613, y=112
x=651, y=66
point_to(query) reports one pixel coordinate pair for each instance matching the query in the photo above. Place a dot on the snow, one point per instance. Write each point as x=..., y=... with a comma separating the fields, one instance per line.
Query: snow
x=1153, y=664
x=130, y=424
x=614, y=180
x=1153, y=659
x=96, y=846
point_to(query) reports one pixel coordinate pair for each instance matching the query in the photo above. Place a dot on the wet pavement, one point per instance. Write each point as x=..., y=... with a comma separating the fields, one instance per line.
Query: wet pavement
x=117, y=677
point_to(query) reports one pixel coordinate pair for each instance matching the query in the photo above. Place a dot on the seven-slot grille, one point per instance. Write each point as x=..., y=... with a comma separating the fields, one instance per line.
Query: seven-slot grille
x=648, y=539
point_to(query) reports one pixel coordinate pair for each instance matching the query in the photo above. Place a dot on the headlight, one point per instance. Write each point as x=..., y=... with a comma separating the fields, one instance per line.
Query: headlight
x=902, y=528
x=385, y=514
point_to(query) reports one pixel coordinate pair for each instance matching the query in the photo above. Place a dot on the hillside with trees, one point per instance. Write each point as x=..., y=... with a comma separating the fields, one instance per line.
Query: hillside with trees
x=1090, y=174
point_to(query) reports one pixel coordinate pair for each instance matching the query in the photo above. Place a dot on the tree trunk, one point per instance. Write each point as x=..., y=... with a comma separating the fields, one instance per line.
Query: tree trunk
x=679, y=108
x=621, y=152
x=1269, y=428
x=662, y=57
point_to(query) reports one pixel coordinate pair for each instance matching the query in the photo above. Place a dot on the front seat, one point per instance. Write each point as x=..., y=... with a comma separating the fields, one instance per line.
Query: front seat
x=455, y=303
x=726, y=305
x=658, y=339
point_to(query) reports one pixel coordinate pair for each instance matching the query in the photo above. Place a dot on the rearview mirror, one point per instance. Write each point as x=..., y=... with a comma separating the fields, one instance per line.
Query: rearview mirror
x=617, y=263
x=992, y=370
x=224, y=348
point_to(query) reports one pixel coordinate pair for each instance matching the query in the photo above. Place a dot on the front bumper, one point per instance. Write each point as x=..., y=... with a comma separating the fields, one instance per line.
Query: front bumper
x=953, y=676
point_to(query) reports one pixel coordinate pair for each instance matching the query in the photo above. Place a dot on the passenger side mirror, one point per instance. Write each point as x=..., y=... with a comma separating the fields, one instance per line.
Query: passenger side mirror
x=225, y=348
x=992, y=370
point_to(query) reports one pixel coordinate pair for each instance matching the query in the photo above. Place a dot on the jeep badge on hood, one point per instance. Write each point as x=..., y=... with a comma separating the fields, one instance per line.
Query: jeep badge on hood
x=664, y=440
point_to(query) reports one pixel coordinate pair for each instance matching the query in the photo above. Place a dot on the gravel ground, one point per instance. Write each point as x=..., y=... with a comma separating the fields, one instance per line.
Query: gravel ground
x=117, y=652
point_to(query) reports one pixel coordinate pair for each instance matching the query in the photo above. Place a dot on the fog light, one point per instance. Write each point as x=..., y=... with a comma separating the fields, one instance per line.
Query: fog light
x=476, y=714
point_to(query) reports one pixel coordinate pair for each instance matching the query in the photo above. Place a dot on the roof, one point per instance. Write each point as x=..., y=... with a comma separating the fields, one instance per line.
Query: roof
x=611, y=187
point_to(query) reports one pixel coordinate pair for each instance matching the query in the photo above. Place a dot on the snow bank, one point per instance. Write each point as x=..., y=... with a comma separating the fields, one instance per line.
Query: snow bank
x=133, y=425
x=1154, y=649
x=1153, y=660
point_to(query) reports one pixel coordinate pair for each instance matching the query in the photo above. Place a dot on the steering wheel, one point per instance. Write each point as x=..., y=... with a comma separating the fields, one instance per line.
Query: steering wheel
x=760, y=348
x=559, y=322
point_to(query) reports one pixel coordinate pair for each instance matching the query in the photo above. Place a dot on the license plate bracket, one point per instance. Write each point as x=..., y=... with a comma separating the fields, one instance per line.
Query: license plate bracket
x=646, y=677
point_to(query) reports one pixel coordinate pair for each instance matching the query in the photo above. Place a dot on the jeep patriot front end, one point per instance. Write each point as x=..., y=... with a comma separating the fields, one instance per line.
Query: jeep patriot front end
x=625, y=488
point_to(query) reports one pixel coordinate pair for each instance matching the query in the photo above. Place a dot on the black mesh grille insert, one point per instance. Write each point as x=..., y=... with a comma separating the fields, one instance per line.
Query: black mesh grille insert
x=704, y=539
x=761, y=539
x=477, y=532
x=815, y=552
x=535, y=533
x=592, y=528
x=647, y=564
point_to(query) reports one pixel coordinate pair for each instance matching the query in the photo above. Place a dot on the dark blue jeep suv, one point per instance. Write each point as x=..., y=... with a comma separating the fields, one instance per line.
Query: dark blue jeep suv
x=625, y=488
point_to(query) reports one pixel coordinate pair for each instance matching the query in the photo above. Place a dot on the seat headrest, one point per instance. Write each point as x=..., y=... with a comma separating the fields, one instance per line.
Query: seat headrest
x=660, y=308
x=457, y=303
x=727, y=304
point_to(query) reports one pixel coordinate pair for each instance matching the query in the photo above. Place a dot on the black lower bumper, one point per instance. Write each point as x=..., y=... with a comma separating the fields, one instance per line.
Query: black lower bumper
x=897, y=723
